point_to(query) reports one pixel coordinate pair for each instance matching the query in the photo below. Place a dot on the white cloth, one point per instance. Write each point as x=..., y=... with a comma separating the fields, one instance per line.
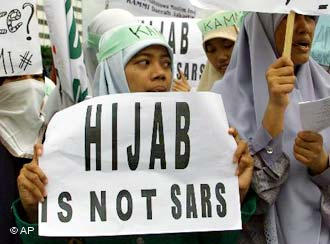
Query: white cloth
x=104, y=21
x=20, y=116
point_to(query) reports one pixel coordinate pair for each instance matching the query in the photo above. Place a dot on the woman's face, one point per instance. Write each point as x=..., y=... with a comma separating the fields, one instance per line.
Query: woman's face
x=303, y=34
x=218, y=52
x=149, y=70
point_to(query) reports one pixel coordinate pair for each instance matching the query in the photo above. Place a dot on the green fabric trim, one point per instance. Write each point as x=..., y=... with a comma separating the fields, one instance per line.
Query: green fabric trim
x=32, y=237
x=21, y=223
x=93, y=40
x=219, y=20
x=249, y=206
x=125, y=37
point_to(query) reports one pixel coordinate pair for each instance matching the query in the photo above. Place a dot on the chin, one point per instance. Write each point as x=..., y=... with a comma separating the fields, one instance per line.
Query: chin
x=300, y=59
x=221, y=71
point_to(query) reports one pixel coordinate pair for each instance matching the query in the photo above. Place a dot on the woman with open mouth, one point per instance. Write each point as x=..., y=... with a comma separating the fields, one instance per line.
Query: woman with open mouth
x=261, y=91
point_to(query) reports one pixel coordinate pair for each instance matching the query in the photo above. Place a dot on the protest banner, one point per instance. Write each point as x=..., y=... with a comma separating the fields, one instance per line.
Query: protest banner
x=155, y=8
x=20, y=52
x=140, y=163
x=67, y=52
x=321, y=43
x=169, y=8
x=151, y=8
x=185, y=39
x=269, y=6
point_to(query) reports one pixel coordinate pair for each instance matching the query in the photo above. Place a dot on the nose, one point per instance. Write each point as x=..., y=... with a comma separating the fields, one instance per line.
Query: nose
x=302, y=25
x=158, y=72
x=222, y=56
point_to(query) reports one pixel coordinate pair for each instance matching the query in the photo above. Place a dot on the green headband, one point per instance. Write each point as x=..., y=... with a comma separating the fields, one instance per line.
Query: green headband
x=93, y=40
x=220, y=20
x=116, y=40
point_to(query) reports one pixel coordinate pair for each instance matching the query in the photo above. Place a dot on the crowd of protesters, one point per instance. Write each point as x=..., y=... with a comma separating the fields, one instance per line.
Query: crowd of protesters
x=284, y=172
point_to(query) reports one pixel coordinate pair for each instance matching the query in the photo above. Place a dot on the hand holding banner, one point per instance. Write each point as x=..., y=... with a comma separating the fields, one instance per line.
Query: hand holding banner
x=140, y=164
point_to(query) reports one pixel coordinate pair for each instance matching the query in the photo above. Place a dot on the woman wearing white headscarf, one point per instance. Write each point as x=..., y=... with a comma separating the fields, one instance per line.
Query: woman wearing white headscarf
x=21, y=99
x=117, y=48
x=219, y=37
x=103, y=22
x=134, y=58
x=219, y=33
x=265, y=110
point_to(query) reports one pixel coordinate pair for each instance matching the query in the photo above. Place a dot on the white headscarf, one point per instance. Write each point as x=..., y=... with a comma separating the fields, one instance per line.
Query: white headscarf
x=110, y=75
x=103, y=22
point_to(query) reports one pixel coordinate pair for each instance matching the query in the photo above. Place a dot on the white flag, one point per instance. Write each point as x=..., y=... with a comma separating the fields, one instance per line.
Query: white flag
x=67, y=52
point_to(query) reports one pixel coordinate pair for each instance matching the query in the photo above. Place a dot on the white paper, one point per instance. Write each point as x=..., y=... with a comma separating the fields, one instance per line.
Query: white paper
x=210, y=163
x=168, y=8
x=185, y=39
x=268, y=6
x=151, y=8
x=20, y=52
x=315, y=116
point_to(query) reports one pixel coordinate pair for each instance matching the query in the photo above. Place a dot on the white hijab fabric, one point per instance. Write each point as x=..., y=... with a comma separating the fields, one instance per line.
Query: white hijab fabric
x=209, y=76
x=103, y=22
x=244, y=90
x=110, y=75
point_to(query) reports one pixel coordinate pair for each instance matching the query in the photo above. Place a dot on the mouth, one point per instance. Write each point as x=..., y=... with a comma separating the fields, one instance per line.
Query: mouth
x=158, y=89
x=222, y=67
x=302, y=45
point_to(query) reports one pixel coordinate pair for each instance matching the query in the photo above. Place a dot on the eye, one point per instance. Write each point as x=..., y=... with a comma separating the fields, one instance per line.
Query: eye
x=228, y=44
x=166, y=63
x=311, y=17
x=143, y=62
x=210, y=49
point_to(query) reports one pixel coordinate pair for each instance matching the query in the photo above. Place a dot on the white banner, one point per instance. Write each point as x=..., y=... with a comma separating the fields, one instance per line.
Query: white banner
x=316, y=7
x=140, y=163
x=168, y=8
x=152, y=8
x=20, y=52
x=184, y=37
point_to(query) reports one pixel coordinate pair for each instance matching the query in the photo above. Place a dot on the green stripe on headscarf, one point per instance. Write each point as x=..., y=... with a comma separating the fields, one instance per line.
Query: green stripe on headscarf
x=220, y=20
x=125, y=36
x=93, y=40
